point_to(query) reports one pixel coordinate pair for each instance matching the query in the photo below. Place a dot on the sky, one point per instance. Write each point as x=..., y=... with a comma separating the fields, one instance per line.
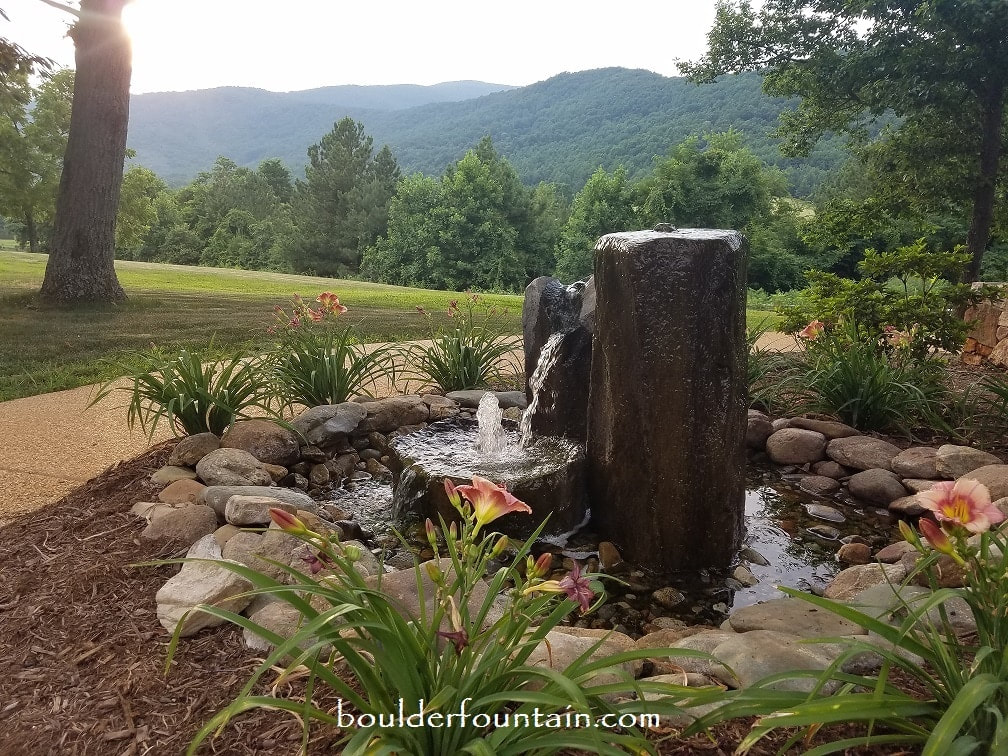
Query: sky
x=196, y=44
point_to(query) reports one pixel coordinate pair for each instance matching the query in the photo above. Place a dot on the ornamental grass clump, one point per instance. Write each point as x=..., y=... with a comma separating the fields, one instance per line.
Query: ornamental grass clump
x=193, y=391
x=473, y=351
x=876, y=382
x=957, y=697
x=320, y=360
x=462, y=657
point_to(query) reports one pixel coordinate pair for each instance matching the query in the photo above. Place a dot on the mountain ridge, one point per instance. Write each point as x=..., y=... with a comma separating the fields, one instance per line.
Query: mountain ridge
x=560, y=129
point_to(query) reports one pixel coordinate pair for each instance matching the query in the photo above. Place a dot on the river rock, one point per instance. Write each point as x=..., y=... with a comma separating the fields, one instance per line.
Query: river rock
x=829, y=428
x=758, y=429
x=916, y=462
x=862, y=452
x=955, y=461
x=329, y=424
x=819, y=485
x=440, y=407
x=851, y=581
x=191, y=449
x=183, y=491
x=265, y=440
x=609, y=556
x=907, y=506
x=995, y=477
x=562, y=646
x=200, y=583
x=170, y=473
x=830, y=469
x=217, y=496
x=795, y=446
x=471, y=398
x=232, y=467
x=794, y=616
x=877, y=486
x=275, y=616
x=854, y=553
x=824, y=512
x=253, y=510
x=919, y=484
x=181, y=526
x=669, y=377
x=744, y=576
x=385, y=415
x=668, y=597
x=894, y=552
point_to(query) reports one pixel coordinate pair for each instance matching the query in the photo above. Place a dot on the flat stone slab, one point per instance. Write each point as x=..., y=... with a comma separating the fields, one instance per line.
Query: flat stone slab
x=862, y=452
x=471, y=398
x=794, y=616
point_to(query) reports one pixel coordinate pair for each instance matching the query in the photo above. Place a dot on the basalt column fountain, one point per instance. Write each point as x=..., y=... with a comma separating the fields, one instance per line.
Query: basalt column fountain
x=667, y=411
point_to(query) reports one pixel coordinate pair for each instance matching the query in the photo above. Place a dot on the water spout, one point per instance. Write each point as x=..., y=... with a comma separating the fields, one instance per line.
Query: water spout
x=547, y=359
x=491, y=440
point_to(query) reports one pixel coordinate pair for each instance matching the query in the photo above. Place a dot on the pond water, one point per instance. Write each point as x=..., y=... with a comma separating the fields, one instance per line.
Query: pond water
x=784, y=544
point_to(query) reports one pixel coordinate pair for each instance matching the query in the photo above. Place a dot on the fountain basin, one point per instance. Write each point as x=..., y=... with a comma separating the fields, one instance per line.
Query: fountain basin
x=548, y=475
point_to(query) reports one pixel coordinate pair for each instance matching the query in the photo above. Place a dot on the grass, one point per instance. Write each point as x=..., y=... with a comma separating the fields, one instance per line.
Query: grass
x=44, y=349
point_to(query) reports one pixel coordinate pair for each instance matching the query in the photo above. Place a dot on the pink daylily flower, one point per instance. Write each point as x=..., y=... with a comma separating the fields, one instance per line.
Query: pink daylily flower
x=812, y=330
x=575, y=585
x=965, y=503
x=490, y=501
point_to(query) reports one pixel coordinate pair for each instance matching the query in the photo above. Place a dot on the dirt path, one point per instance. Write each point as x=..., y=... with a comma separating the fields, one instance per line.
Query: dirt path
x=51, y=443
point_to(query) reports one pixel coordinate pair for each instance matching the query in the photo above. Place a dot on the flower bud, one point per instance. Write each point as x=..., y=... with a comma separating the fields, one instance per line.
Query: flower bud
x=498, y=549
x=540, y=567
x=431, y=533
x=287, y=522
x=352, y=553
x=453, y=495
x=433, y=571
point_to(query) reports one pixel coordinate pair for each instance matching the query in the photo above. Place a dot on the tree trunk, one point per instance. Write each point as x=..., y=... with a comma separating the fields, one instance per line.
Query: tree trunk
x=80, y=267
x=984, y=193
x=31, y=231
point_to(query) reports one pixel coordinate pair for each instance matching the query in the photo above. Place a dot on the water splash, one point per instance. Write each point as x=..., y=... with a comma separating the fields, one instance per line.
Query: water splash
x=491, y=440
x=547, y=359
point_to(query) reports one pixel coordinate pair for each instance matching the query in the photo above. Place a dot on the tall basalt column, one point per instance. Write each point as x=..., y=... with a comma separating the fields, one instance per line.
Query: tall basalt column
x=667, y=410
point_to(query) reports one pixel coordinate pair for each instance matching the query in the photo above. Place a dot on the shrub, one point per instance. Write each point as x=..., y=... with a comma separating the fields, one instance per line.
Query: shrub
x=769, y=374
x=319, y=361
x=908, y=289
x=455, y=657
x=471, y=354
x=194, y=391
x=960, y=691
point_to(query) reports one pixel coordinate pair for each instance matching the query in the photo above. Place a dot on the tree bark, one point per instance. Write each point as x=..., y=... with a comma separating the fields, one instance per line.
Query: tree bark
x=31, y=231
x=81, y=262
x=984, y=193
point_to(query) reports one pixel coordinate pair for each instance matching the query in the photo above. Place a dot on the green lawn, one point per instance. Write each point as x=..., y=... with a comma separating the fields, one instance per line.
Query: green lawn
x=44, y=349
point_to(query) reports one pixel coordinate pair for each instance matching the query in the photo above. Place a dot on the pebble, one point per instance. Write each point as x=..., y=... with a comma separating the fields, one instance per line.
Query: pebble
x=753, y=557
x=823, y=512
x=825, y=531
x=668, y=597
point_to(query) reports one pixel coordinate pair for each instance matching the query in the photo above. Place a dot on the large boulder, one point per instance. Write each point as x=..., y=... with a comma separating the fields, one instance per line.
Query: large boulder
x=562, y=646
x=182, y=491
x=877, y=486
x=791, y=615
x=829, y=428
x=200, y=583
x=329, y=424
x=862, y=452
x=796, y=446
x=385, y=415
x=850, y=582
x=217, y=496
x=955, y=461
x=180, y=526
x=919, y=462
x=232, y=467
x=191, y=449
x=667, y=409
x=265, y=440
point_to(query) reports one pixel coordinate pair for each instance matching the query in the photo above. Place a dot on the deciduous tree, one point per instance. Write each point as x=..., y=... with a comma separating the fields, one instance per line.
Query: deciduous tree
x=940, y=63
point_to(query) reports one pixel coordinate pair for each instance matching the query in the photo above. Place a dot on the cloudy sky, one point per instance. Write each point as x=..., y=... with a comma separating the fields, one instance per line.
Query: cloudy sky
x=194, y=44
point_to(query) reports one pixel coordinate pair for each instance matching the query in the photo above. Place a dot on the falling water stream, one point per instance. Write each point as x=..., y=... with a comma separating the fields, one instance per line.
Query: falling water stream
x=547, y=360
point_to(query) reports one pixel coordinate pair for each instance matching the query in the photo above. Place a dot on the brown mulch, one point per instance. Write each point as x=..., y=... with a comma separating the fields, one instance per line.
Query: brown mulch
x=82, y=654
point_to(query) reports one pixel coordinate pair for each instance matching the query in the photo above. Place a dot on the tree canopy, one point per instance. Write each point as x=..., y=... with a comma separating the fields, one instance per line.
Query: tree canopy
x=939, y=66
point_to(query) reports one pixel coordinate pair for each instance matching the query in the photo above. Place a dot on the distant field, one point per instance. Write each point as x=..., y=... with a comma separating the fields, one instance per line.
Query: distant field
x=44, y=349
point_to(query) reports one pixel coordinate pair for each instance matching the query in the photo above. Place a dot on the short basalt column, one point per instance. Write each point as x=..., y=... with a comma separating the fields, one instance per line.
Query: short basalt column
x=667, y=410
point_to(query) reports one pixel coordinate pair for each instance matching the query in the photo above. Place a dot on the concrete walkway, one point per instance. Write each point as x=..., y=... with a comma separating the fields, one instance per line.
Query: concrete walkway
x=51, y=443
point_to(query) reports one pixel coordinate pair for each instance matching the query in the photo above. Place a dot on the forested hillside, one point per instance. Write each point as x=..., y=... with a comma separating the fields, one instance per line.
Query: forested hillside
x=557, y=130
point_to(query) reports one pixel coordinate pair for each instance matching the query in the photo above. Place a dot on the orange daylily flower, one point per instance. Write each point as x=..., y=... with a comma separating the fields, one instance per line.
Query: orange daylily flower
x=490, y=501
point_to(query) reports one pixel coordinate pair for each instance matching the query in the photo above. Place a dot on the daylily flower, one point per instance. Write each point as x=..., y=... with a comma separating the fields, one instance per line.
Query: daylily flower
x=490, y=501
x=330, y=303
x=458, y=635
x=575, y=585
x=317, y=316
x=812, y=330
x=317, y=562
x=295, y=322
x=287, y=522
x=896, y=337
x=965, y=503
